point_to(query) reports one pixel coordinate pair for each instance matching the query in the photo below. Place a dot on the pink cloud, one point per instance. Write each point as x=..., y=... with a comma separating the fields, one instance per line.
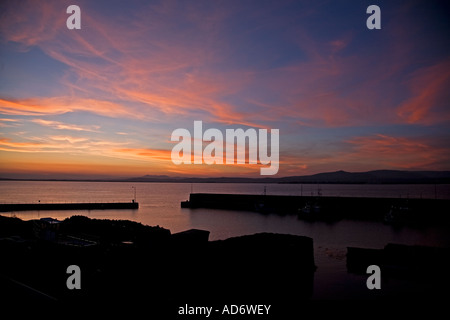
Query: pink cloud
x=387, y=151
x=429, y=103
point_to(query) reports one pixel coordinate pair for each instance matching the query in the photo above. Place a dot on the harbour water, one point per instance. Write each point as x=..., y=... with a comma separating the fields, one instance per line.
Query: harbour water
x=159, y=204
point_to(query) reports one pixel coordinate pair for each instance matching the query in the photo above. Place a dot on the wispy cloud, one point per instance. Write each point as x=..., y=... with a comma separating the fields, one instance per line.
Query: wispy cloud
x=429, y=101
x=9, y=120
x=30, y=24
x=146, y=153
x=157, y=77
x=152, y=78
x=61, y=105
x=387, y=151
x=65, y=126
x=8, y=142
x=10, y=123
x=137, y=70
x=60, y=143
x=69, y=139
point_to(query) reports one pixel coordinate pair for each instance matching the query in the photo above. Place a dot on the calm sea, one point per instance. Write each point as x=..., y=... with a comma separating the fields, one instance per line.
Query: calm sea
x=160, y=205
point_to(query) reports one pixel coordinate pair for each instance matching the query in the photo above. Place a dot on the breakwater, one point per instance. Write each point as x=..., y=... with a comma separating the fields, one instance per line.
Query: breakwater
x=68, y=206
x=323, y=207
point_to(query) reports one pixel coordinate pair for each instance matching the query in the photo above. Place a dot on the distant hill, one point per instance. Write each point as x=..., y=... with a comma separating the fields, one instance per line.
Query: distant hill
x=376, y=176
x=369, y=177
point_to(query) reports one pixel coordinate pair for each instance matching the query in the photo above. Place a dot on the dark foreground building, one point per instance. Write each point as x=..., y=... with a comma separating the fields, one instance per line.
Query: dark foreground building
x=127, y=263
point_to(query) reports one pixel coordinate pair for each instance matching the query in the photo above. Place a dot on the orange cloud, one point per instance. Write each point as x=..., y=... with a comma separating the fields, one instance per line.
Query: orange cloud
x=53, y=144
x=61, y=105
x=61, y=144
x=142, y=153
x=8, y=143
x=9, y=120
x=59, y=164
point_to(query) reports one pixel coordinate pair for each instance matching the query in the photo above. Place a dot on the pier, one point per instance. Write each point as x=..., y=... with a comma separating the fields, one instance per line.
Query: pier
x=401, y=210
x=68, y=206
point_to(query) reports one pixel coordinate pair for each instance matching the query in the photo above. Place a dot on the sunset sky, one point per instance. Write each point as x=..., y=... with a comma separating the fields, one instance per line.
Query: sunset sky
x=103, y=101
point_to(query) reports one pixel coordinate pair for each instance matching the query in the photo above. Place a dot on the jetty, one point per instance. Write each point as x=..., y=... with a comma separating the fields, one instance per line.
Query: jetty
x=389, y=210
x=68, y=206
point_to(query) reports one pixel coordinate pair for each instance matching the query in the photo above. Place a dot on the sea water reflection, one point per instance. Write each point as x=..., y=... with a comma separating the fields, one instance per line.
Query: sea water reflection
x=160, y=205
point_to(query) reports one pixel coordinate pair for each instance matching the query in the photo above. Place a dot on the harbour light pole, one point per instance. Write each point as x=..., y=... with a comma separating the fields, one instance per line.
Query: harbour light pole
x=134, y=200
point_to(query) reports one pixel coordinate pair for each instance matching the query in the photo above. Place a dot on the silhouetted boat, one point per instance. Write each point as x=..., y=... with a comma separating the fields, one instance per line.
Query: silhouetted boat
x=397, y=214
x=311, y=211
x=311, y=208
x=315, y=211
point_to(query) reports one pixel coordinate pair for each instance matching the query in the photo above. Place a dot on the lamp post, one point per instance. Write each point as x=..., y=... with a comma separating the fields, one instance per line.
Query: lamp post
x=134, y=200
